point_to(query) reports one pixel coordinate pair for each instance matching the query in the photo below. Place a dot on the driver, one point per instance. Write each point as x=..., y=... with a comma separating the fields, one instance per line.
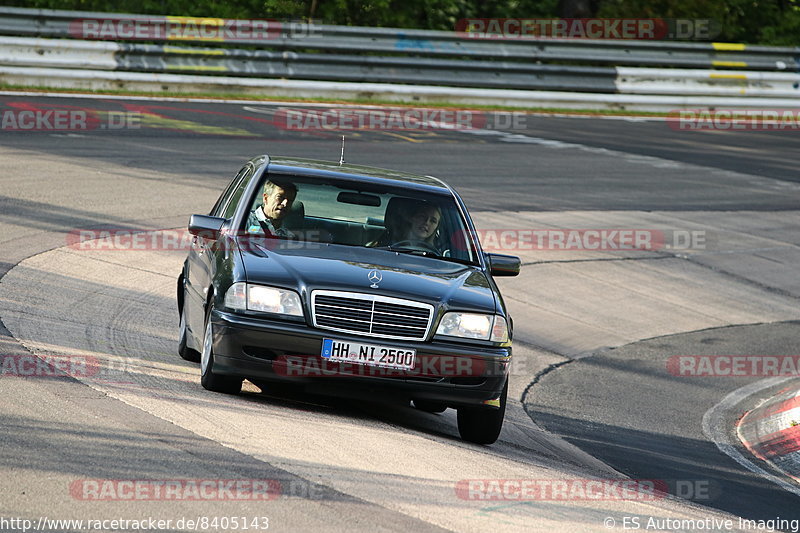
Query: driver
x=277, y=201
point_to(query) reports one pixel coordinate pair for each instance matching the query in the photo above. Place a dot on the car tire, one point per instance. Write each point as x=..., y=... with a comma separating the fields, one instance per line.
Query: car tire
x=184, y=351
x=482, y=425
x=208, y=379
x=430, y=407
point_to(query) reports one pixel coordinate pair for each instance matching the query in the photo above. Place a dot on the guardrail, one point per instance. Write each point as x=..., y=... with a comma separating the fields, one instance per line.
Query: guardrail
x=169, y=59
x=57, y=53
x=392, y=56
x=427, y=43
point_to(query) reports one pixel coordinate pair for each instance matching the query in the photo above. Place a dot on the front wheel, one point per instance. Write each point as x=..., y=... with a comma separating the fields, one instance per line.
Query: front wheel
x=208, y=379
x=482, y=425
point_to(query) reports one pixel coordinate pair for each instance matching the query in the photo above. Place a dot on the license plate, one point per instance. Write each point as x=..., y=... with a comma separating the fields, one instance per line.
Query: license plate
x=368, y=354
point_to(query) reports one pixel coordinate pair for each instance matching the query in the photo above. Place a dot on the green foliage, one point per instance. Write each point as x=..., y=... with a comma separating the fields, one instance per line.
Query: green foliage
x=423, y=14
x=774, y=22
x=198, y=8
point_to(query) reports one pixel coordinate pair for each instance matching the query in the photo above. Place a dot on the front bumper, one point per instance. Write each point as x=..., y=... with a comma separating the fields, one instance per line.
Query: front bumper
x=276, y=350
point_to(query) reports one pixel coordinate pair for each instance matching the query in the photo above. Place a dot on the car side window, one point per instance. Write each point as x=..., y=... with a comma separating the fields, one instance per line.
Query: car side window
x=233, y=201
x=219, y=208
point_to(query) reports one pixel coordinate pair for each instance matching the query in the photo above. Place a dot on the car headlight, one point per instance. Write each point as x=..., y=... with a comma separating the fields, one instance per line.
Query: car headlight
x=474, y=326
x=247, y=297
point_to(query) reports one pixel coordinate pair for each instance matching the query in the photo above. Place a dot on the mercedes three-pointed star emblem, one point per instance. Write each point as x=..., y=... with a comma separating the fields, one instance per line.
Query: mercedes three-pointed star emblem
x=374, y=277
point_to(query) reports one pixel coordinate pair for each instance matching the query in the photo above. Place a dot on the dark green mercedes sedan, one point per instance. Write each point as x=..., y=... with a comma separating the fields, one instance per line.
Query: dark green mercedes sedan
x=350, y=281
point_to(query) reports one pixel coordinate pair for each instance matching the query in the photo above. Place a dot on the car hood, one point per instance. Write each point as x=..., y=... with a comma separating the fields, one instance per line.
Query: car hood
x=333, y=267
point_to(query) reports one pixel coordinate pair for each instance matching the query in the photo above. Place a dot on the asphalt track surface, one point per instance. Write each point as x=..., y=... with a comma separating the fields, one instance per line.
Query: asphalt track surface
x=618, y=405
x=664, y=440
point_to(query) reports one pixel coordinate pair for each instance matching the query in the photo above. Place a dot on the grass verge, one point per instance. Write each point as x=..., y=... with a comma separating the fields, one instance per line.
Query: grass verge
x=354, y=101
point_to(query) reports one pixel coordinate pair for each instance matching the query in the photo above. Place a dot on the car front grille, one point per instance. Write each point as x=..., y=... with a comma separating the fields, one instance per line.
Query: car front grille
x=370, y=314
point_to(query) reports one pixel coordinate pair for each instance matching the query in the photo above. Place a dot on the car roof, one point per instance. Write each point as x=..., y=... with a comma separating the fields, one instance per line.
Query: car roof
x=349, y=172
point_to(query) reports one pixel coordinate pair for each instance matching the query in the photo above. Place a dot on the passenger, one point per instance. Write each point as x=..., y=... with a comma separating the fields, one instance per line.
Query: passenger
x=423, y=223
x=268, y=217
x=417, y=226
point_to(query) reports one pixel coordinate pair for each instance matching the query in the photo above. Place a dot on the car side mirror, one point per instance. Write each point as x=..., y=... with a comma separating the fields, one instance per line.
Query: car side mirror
x=503, y=265
x=206, y=226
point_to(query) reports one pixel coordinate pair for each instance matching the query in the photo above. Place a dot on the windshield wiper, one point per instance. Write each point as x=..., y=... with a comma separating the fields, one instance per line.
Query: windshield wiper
x=424, y=253
x=411, y=251
x=414, y=251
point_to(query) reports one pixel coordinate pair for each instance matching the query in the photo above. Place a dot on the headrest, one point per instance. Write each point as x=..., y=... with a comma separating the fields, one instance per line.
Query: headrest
x=397, y=212
x=295, y=218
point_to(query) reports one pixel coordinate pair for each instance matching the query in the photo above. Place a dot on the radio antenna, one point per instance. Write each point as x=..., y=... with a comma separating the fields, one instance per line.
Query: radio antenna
x=341, y=159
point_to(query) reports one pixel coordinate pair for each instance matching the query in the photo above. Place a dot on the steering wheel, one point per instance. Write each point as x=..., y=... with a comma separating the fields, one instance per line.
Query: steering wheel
x=419, y=245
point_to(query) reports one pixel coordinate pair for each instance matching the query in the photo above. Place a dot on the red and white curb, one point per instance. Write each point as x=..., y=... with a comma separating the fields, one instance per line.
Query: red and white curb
x=771, y=431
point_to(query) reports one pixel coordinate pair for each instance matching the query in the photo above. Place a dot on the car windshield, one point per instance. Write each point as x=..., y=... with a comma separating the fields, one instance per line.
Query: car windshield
x=360, y=214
